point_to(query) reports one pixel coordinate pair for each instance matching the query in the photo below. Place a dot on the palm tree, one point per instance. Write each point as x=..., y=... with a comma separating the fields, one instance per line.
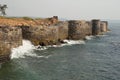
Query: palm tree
x=2, y=9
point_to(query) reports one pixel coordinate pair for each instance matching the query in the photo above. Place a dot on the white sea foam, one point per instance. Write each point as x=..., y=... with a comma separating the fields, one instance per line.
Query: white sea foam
x=66, y=43
x=43, y=56
x=72, y=42
x=41, y=47
x=102, y=35
x=89, y=37
x=27, y=48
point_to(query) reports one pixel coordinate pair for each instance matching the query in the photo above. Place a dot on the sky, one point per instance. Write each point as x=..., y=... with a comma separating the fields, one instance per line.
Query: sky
x=68, y=9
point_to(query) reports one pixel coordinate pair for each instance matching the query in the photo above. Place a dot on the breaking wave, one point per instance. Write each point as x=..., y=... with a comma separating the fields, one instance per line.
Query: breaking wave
x=72, y=42
x=27, y=49
x=89, y=37
x=102, y=35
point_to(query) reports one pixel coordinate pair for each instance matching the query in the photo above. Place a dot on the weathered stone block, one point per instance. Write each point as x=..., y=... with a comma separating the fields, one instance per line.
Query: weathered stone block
x=10, y=37
x=45, y=35
x=62, y=30
x=88, y=28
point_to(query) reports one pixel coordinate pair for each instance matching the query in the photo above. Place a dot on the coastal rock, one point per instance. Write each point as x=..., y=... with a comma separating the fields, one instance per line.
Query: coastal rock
x=10, y=37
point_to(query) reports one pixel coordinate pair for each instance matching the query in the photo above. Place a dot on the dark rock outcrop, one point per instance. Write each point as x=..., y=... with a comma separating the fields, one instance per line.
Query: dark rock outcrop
x=10, y=37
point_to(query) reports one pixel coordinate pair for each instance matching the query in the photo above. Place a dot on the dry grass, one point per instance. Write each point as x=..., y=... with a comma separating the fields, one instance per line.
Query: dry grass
x=23, y=21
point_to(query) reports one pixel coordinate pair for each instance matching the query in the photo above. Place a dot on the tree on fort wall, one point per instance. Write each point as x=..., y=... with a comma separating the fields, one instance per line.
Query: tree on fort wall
x=2, y=9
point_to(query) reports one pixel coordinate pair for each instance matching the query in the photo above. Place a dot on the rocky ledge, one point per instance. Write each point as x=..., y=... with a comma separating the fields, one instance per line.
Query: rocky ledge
x=49, y=31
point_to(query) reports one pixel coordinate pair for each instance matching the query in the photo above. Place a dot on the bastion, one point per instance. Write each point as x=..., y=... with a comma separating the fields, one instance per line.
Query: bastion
x=78, y=29
x=10, y=37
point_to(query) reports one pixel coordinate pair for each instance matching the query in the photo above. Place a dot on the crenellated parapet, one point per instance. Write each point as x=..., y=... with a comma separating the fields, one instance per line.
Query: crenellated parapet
x=53, y=19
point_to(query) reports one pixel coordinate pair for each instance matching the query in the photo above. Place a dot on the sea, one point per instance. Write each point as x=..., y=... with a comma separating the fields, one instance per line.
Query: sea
x=96, y=58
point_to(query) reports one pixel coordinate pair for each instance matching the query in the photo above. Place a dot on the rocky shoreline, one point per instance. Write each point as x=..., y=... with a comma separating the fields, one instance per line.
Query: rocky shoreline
x=49, y=31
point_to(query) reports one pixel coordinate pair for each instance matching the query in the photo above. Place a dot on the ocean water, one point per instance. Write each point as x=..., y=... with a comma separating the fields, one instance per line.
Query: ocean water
x=98, y=58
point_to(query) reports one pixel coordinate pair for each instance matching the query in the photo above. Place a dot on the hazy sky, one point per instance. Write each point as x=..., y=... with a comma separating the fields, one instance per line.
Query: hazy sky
x=70, y=9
